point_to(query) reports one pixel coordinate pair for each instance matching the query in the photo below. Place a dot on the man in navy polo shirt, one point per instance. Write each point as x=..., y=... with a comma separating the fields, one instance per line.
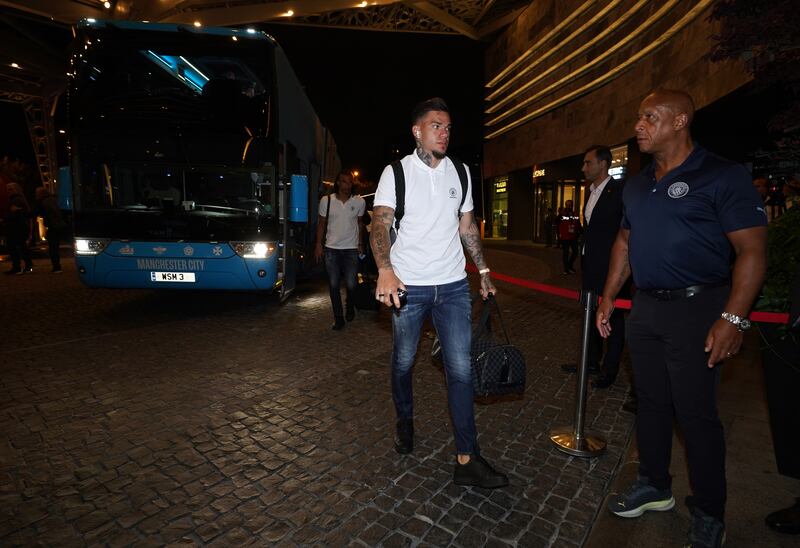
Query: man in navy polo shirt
x=687, y=218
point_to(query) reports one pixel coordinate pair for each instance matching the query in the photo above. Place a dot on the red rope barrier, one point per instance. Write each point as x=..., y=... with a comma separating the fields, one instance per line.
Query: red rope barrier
x=766, y=317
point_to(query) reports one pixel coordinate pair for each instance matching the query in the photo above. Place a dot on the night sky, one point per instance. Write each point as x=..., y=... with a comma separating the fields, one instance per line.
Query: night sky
x=363, y=85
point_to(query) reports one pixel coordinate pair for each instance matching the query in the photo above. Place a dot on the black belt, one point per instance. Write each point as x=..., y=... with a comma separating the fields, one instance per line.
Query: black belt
x=682, y=293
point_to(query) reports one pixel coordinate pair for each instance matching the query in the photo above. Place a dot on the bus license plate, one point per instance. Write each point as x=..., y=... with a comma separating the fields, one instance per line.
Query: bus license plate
x=172, y=277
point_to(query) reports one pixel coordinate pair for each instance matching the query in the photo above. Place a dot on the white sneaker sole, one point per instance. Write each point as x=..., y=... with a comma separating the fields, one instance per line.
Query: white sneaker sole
x=657, y=506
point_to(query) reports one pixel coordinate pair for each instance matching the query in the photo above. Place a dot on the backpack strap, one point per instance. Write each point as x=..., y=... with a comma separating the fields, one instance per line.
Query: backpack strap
x=399, y=193
x=327, y=220
x=462, y=176
x=400, y=188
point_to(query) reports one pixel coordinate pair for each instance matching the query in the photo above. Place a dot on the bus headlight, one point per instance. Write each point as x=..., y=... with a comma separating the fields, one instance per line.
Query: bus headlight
x=254, y=250
x=90, y=246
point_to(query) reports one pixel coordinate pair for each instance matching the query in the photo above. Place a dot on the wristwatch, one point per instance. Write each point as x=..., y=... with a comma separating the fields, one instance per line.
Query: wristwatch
x=742, y=324
x=483, y=271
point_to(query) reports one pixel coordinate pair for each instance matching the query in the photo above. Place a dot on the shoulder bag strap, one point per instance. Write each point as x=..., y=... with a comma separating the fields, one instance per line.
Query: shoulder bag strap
x=399, y=193
x=327, y=221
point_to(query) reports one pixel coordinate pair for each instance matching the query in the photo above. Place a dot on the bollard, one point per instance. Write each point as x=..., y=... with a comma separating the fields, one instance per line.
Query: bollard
x=572, y=439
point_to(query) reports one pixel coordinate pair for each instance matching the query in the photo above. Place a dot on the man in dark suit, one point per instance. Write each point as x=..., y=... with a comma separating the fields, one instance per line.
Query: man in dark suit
x=602, y=214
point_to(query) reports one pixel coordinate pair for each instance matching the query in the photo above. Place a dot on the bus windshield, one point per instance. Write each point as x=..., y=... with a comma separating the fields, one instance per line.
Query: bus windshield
x=172, y=125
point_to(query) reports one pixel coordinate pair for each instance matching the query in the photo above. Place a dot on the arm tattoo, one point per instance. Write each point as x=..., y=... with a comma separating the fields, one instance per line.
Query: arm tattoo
x=426, y=157
x=379, y=236
x=471, y=240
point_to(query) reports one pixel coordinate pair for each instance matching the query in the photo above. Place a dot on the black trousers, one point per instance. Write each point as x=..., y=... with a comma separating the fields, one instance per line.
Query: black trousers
x=19, y=250
x=569, y=253
x=615, y=343
x=782, y=377
x=666, y=340
x=54, y=237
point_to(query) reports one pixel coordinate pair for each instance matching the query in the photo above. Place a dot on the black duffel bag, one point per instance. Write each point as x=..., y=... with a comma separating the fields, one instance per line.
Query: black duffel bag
x=498, y=369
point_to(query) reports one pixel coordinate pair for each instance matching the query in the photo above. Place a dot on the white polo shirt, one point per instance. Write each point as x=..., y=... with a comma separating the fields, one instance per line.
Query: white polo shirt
x=428, y=248
x=343, y=222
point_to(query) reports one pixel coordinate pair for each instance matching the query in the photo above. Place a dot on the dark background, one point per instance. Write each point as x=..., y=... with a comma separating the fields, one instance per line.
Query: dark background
x=363, y=85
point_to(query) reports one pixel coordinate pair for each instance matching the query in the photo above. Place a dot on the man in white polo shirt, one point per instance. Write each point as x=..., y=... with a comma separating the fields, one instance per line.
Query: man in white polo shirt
x=340, y=231
x=427, y=261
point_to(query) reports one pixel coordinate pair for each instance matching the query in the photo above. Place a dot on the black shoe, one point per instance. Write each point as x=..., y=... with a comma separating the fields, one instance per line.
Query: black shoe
x=603, y=381
x=338, y=324
x=350, y=314
x=404, y=442
x=706, y=531
x=631, y=406
x=57, y=270
x=572, y=271
x=786, y=520
x=12, y=272
x=478, y=473
x=573, y=367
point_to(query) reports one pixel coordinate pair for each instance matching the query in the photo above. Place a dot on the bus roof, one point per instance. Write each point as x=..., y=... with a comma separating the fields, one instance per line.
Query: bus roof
x=250, y=33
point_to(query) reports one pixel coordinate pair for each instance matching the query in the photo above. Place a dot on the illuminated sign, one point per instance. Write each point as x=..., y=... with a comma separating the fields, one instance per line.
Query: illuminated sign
x=538, y=172
x=500, y=186
x=617, y=172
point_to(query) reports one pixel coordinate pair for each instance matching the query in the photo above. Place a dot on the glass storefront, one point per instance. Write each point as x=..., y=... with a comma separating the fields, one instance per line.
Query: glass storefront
x=553, y=184
x=619, y=161
x=500, y=208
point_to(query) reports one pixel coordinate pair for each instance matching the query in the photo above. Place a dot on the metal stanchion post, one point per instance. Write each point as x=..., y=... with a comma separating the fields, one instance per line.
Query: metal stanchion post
x=573, y=439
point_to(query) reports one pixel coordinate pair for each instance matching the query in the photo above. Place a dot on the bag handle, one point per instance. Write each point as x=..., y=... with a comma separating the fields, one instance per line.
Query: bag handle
x=483, y=321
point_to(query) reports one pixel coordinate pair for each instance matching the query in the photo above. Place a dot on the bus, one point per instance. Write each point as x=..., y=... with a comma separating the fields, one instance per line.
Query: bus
x=194, y=157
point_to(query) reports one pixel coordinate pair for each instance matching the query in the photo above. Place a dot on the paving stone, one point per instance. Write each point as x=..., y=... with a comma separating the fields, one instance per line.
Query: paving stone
x=177, y=430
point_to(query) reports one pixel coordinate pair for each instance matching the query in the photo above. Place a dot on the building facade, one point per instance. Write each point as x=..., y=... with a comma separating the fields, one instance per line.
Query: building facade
x=569, y=74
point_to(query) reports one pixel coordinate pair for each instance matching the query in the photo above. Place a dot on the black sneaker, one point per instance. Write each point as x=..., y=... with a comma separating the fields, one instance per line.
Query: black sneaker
x=57, y=270
x=12, y=272
x=350, y=314
x=338, y=324
x=706, y=531
x=478, y=473
x=639, y=498
x=404, y=442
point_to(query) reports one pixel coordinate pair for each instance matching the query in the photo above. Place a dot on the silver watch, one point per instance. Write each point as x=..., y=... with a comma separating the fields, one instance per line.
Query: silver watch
x=742, y=324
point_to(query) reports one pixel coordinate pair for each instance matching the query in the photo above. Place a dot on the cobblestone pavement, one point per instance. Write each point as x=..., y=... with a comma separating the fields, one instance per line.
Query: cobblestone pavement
x=136, y=418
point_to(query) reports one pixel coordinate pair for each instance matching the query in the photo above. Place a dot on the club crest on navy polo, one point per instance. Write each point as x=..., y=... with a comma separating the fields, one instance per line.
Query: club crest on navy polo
x=678, y=225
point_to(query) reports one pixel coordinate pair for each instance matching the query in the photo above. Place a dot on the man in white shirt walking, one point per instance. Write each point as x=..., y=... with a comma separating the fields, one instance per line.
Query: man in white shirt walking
x=427, y=260
x=340, y=231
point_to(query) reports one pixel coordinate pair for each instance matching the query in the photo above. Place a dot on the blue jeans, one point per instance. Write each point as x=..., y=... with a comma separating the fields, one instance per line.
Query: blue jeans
x=341, y=263
x=451, y=310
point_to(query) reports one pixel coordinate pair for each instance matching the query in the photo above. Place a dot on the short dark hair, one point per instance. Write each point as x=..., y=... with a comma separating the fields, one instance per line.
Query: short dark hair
x=426, y=106
x=602, y=152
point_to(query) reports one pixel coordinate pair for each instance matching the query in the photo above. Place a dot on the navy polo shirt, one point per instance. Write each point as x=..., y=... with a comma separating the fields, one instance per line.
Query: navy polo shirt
x=678, y=225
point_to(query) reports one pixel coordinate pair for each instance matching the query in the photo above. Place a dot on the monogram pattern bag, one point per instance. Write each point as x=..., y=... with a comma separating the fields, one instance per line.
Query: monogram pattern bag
x=498, y=368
